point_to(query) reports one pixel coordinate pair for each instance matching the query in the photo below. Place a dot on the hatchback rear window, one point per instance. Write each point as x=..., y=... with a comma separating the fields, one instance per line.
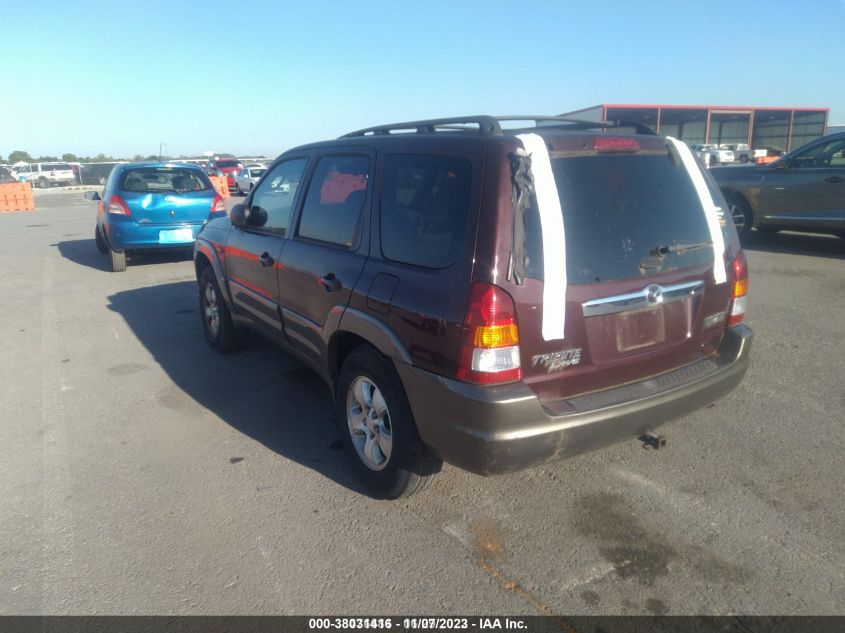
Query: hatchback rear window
x=158, y=179
x=424, y=207
x=617, y=210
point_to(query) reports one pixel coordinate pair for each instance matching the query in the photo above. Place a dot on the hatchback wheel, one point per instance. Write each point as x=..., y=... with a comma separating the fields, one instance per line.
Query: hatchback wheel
x=118, y=260
x=381, y=436
x=217, y=324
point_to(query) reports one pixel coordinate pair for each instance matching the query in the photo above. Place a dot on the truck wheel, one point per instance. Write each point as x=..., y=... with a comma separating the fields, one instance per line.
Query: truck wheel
x=118, y=261
x=378, y=427
x=741, y=215
x=101, y=243
x=217, y=324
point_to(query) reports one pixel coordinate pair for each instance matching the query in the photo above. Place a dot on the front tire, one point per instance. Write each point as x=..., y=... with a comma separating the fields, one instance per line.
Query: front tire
x=43, y=183
x=238, y=189
x=217, y=324
x=101, y=243
x=380, y=435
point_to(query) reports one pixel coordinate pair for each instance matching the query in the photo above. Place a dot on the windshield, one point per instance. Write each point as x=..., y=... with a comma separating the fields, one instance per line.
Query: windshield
x=618, y=211
x=156, y=179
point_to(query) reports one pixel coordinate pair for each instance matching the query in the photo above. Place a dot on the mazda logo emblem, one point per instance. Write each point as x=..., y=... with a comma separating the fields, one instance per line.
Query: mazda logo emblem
x=654, y=295
x=172, y=213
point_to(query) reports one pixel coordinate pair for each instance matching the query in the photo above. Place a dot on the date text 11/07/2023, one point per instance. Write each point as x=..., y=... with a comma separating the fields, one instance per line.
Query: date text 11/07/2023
x=417, y=623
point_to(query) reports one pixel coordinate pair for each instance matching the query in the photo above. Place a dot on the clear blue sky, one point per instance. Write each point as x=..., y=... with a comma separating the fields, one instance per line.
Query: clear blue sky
x=260, y=76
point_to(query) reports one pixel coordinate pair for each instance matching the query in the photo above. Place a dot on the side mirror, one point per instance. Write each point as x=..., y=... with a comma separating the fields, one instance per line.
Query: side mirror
x=93, y=196
x=239, y=215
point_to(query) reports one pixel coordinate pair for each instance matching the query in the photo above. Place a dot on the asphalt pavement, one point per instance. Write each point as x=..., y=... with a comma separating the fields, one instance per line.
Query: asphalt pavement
x=145, y=474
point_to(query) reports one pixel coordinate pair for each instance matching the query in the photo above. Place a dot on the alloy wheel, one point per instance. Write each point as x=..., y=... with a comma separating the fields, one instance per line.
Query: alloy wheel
x=369, y=423
x=211, y=310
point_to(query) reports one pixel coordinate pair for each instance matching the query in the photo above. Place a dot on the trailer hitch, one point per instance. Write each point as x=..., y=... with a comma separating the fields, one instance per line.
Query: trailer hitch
x=652, y=440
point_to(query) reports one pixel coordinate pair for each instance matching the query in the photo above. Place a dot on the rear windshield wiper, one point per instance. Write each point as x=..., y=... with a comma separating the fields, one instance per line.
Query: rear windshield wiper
x=655, y=255
x=660, y=251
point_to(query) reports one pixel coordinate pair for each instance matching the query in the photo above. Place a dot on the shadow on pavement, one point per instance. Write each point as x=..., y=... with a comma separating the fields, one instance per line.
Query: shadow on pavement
x=811, y=244
x=85, y=253
x=260, y=391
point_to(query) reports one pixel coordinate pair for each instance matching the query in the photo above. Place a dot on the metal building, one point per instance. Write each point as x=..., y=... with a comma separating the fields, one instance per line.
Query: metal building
x=771, y=127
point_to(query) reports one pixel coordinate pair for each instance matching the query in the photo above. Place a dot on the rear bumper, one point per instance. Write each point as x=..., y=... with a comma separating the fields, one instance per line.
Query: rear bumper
x=128, y=236
x=489, y=430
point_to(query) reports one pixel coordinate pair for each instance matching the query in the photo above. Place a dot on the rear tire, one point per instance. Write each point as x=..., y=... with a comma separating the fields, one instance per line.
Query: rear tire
x=379, y=432
x=741, y=215
x=217, y=324
x=118, y=261
x=43, y=183
x=101, y=243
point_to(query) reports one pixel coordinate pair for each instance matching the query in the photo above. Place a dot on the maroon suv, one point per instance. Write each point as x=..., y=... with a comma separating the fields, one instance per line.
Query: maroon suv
x=493, y=298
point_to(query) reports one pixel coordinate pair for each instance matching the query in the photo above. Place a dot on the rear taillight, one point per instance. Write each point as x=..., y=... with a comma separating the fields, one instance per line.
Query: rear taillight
x=117, y=206
x=218, y=205
x=614, y=144
x=739, y=291
x=489, y=351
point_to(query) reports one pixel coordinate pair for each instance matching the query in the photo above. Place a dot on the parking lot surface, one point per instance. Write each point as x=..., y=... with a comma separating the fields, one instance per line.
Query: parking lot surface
x=145, y=474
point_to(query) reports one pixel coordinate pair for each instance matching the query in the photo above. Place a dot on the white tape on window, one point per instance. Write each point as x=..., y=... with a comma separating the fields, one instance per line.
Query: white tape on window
x=710, y=209
x=554, y=238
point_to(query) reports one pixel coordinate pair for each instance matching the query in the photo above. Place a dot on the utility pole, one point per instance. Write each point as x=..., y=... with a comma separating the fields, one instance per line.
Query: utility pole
x=160, y=145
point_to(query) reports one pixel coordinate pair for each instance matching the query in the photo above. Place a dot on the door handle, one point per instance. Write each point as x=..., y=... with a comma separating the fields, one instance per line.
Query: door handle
x=833, y=179
x=330, y=282
x=266, y=260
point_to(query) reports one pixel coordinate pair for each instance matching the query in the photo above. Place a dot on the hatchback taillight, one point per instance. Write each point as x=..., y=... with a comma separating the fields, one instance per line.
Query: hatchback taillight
x=739, y=291
x=489, y=350
x=117, y=206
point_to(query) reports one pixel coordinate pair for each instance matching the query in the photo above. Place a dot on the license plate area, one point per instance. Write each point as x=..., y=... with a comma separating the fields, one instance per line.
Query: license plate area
x=175, y=236
x=640, y=328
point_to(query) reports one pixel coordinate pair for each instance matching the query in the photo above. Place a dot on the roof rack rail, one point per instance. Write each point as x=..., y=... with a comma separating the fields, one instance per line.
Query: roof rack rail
x=485, y=125
x=580, y=124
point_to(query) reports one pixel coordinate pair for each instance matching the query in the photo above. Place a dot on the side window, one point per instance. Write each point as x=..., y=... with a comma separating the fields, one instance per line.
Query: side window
x=821, y=155
x=424, y=208
x=837, y=159
x=332, y=209
x=271, y=203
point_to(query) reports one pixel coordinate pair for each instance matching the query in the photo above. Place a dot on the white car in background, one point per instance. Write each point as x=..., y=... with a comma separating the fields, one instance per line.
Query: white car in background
x=248, y=177
x=45, y=175
x=713, y=155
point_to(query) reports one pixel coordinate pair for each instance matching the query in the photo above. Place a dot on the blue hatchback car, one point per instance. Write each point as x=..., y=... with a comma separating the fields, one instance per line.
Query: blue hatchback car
x=153, y=206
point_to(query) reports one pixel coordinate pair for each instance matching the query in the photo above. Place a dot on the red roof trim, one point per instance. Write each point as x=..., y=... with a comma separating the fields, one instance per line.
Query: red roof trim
x=704, y=107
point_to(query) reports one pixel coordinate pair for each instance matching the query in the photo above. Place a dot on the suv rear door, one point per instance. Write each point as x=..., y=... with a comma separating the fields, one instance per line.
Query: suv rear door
x=630, y=314
x=322, y=262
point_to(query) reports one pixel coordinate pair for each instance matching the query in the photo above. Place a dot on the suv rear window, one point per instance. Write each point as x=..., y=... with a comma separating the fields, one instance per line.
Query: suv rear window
x=424, y=209
x=616, y=210
x=157, y=179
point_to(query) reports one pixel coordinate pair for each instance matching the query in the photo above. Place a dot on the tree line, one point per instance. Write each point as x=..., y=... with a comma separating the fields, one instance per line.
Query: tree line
x=22, y=156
